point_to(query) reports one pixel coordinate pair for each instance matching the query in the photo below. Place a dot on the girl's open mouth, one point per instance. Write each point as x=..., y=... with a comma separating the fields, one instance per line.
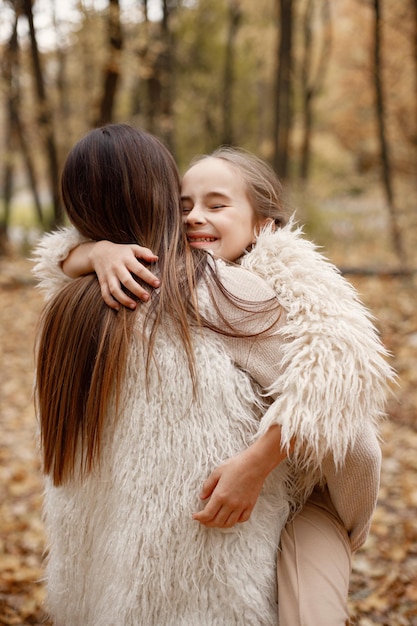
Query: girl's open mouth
x=192, y=239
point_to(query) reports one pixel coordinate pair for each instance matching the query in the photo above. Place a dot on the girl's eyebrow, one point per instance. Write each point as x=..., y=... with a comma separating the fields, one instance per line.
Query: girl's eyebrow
x=209, y=196
x=217, y=194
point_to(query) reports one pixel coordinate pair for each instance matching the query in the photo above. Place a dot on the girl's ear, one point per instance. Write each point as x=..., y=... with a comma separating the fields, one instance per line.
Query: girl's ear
x=267, y=221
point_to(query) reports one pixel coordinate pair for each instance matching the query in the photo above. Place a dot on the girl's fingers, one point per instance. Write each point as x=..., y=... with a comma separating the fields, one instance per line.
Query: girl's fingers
x=209, y=516
x=121, y=297
x=244, y=516
x=145, y=274
x=108, y=298
x=209, y=486
x=222, y=518
x=111, y=287
x=144, y=253
x=126, y=279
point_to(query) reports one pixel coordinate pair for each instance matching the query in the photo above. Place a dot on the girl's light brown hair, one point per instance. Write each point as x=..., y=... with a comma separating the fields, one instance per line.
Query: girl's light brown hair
x=263, y=187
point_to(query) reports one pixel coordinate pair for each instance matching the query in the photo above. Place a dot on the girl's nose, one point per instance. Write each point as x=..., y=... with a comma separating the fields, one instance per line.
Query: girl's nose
x=195, y=216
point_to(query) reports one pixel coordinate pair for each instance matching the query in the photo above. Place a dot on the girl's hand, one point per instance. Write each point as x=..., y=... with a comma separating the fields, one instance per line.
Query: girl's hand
x=114, y=265
x=234, y=486
x=233, y=489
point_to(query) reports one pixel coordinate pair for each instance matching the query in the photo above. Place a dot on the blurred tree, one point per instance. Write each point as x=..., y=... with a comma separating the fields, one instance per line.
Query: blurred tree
x=145, y=74
x=414, y=42
x=406, y=109
x=62, y=107
x=414, y=137
x=387, y=176
x=153, y=95
x=87, y=55
x=45, y=120
x=312, y=76
x=234, y=15
x=167, y=67
x=112, y=70
x=200, y=55
x=15, y=136
x=283, y=88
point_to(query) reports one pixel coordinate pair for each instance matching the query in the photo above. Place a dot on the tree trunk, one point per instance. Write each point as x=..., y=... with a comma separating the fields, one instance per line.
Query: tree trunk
x=63, y=117
x=167, y=76
x=382, y=135
x=44, y=117
x=7, y=192
x=283, y=112
x=415, y=52
x=311, y=84
x=112, y=69
x=234, y=17
x=415, y=77
x=8, y=64
x=145, y=10
x=29, y=165
x=306, y=90
x=15, y=134
x=149, y=78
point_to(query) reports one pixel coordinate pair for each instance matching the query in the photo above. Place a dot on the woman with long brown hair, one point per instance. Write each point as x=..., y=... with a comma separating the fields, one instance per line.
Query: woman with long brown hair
x=136, y=408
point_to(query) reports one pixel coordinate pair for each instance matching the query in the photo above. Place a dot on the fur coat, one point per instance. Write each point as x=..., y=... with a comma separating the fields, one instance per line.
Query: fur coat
x=334, y=379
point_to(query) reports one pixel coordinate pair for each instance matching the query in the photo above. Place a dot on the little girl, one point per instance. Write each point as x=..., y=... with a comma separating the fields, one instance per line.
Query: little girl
x=331, y=390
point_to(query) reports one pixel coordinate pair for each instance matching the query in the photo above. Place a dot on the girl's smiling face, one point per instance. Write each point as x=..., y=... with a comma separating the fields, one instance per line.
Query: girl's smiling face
x=217, y=212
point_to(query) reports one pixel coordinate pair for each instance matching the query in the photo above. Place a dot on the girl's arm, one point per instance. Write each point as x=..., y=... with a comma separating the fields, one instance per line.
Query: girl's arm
x=48, y=256
x=65, y=254
x=114, y=265
x=354, y=486
x=234, y=486
x=335, y=374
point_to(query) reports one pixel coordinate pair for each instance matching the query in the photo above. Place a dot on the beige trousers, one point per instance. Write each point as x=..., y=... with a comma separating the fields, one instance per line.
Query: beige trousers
x=314, y=567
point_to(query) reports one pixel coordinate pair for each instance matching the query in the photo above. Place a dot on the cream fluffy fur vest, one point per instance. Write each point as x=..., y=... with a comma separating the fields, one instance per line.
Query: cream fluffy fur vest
x=124, y=550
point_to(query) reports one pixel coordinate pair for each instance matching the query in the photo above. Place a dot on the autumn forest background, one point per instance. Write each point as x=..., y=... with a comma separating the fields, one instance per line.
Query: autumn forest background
x=326, y=91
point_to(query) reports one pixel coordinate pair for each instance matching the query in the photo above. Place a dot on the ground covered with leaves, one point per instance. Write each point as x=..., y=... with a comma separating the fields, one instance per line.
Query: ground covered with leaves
x=384, y=578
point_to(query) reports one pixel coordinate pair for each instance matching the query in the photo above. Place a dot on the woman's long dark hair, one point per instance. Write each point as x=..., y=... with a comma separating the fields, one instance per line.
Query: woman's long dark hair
x=122, y=185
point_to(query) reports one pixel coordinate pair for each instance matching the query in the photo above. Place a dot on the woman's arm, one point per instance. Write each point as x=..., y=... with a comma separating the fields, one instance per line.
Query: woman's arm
x=114, y=265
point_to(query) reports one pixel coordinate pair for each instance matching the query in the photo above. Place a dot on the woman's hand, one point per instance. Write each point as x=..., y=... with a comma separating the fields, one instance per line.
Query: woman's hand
x=233, y=487
x=114, y=265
